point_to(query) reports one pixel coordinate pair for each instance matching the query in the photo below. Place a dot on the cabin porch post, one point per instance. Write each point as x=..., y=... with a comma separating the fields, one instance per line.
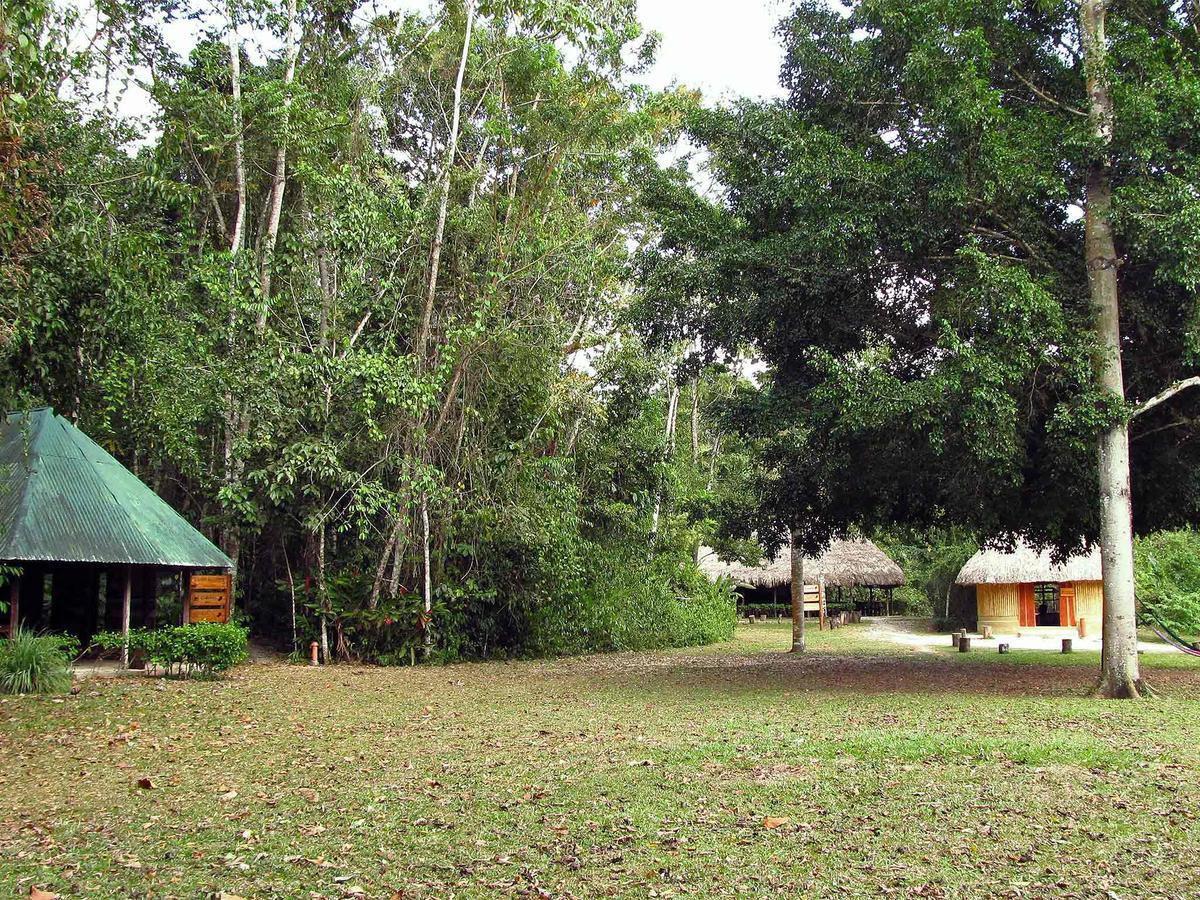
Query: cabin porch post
x=126, y=604
x=14, y=605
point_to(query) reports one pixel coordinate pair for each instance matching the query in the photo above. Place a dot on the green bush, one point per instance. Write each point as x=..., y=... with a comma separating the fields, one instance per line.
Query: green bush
x=1167, y=578
x=629, y=603
x=931, y=560
x=35, y=664
x=207, y=648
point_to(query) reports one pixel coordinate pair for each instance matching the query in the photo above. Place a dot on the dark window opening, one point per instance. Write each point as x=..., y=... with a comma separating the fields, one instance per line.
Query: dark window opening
x=1045, y=601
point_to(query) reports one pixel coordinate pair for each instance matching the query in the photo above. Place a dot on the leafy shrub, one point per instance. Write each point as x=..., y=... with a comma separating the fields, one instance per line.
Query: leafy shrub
x=1167, y=578
x=628, y=603
x=206, y=648
x=35, y=663
x=931, y=560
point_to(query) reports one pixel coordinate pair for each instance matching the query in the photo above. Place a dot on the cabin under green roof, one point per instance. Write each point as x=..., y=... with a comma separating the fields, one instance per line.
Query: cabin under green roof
x=64, y=498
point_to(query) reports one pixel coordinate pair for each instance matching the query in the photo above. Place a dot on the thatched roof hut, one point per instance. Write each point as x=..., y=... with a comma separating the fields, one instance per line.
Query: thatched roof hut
x=1024, y=565
x=848, y=563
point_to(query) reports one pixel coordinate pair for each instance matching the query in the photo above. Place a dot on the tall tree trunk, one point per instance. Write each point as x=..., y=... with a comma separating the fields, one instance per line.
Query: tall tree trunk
x=435, y=255
x=1119, y=671
x=427, y=587
x=672, y=415
x=231, y=541
x=386, y=558
x=239, y=156
x=797, y=560
x=278, y=180
x=695, y=421
x=322, y=593
x=291, y=590
x=712, y=463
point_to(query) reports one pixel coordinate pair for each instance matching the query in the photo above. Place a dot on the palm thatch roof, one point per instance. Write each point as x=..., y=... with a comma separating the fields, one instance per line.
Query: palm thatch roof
x=849, y=563
x=1023, y=565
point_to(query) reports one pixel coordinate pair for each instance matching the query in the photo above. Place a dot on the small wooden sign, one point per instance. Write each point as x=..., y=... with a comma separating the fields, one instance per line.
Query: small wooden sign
x=209, y=599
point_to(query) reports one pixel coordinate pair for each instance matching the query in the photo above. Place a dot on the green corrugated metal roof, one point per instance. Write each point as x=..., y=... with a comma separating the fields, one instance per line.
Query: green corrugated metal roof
x=64, y=498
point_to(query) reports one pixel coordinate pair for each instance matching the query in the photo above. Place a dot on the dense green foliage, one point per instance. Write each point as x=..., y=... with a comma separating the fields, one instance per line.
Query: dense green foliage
x=1168, y=578
x=32, y=663
x=633, y=608
x=931, y=560
x=358, y=298
x=900, y=240
x=206, y=648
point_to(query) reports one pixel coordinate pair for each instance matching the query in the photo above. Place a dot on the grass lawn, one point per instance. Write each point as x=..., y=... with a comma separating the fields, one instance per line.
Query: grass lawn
x=862, y=769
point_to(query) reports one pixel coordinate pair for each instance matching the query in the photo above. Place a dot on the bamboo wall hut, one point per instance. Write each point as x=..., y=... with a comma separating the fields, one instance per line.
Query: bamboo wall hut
x=90, y=542
x=1023, y=589
x=845, y=564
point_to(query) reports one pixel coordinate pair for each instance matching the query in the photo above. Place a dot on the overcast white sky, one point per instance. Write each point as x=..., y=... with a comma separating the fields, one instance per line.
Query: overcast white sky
x=724, y=47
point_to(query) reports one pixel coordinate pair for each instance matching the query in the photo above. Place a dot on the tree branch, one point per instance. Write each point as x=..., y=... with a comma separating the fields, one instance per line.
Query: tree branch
x=1166, y=395
x=1044, y=96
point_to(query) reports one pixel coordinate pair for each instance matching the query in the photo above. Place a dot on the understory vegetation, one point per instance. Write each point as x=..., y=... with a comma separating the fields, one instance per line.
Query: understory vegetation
x=350, y=292
x=1167, y=565
x=735, y=770
x=205, y=649
x=32, y=663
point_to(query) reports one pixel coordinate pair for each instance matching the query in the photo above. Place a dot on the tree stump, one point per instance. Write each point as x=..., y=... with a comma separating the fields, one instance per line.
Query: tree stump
x=751, y=619
x=964, y=644
x=987, y=632
x=1003, y=648
x=954, y=639
x=1068, y=645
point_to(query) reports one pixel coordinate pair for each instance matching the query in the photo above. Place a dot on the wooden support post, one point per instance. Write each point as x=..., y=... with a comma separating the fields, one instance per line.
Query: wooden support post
x=987, y=632
x=821, y=602
x=964, y=645
x=126, y=603
x=14, y=606
x=1082, y=628
x=954, y=639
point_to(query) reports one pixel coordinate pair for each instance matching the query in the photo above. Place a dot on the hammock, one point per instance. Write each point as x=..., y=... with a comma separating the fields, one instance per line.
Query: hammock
x=1170, y=636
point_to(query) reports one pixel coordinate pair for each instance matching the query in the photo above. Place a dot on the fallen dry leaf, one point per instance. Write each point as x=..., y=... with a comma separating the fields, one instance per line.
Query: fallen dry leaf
x=775, y=821
x=36, y=893
x=145, y=784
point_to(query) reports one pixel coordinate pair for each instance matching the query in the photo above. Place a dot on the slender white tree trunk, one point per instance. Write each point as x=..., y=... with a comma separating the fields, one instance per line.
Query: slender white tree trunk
x=695, y=421
x=1119, y=671
x=231, y=541
x=278, y=179
x=323, y=593
x=797, y=560
x=239, y=160
x=435, y=255
x=715, y=452
x=672, y=415
x=427, y=588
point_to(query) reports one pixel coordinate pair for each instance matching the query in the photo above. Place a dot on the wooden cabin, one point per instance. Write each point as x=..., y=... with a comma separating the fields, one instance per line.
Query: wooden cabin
x=92, y=545
x=845, y=565
x=1024, y=590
